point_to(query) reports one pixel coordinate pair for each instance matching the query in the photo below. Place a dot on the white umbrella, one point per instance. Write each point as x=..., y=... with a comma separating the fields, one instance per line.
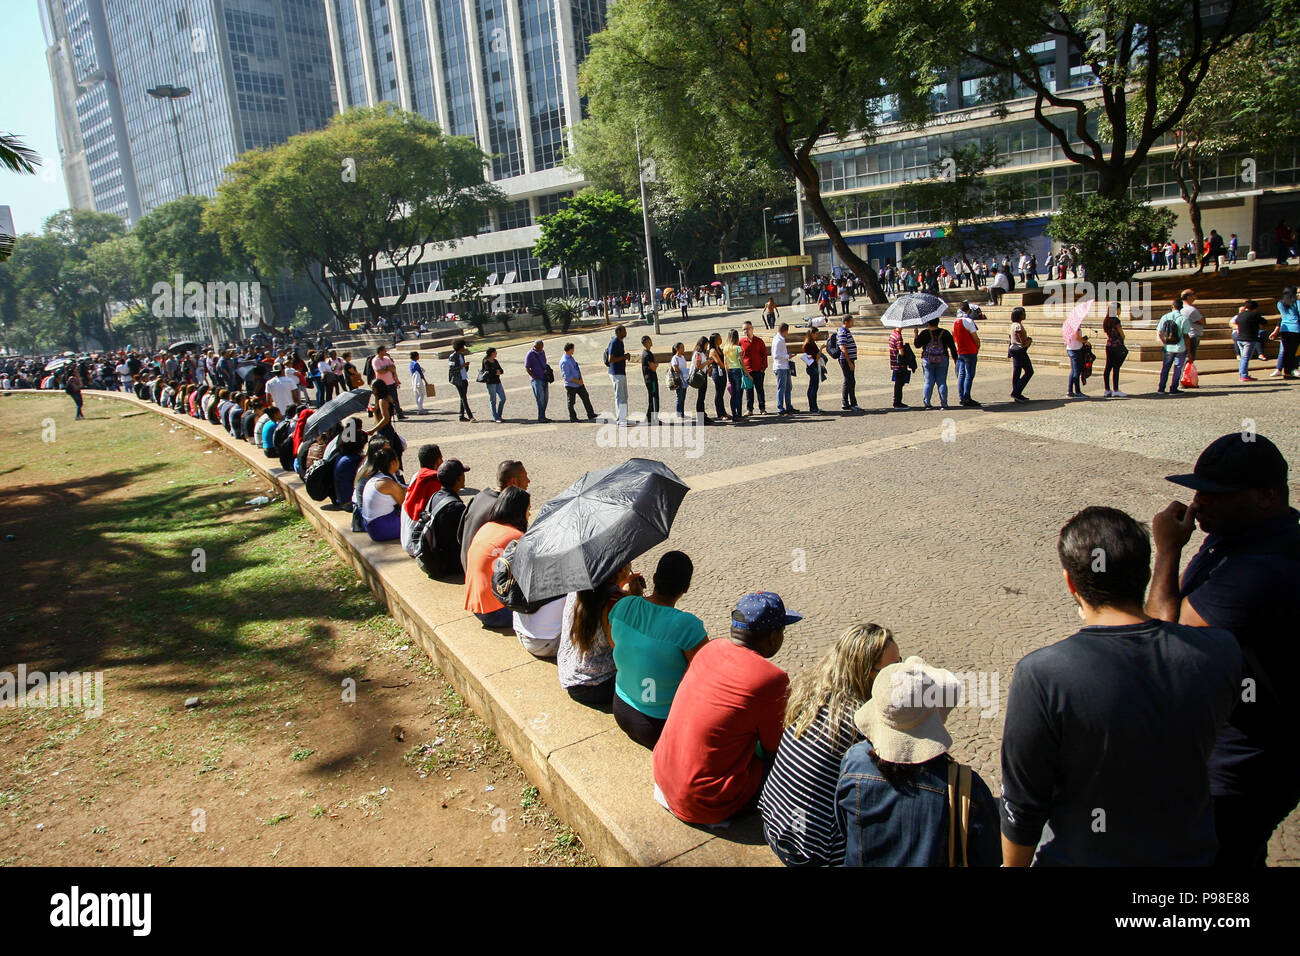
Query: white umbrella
x=916, y=308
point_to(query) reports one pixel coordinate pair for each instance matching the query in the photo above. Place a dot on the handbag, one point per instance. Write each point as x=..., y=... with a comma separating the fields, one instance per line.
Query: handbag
x=699, y=379
x=674, y=381
x=482, y=375
x=746, y=383
x=550, y=374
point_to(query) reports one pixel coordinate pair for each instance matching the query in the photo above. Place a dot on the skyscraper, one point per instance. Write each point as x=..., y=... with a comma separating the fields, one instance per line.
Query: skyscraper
x=256, y=72
x=504, y=72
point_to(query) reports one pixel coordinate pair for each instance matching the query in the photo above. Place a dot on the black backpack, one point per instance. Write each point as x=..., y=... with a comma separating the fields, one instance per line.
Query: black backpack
x=369, y=370
x=453, y=369
x=833, y=344
x=319, y=479
x=436, y=561
x=282, y=441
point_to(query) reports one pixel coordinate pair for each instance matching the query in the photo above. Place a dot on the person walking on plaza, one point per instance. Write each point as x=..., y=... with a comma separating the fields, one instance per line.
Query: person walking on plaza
x=753, y=359
x=735, y=375
x=1170, y=686
x=1288, y=331
x=616, y=361
x=1195, y=323
x=1240, y=580
x=848, y=356
x=936, y=347
x=650, y=376
x=718, y=372
x=458, y=376
x=965, y=335
x=539, y=371
x=72, y=385
x=417, y=381
x=770, y=314
x=574, y=387
x=1172, y=331
x=1116, y=353
x=782, y=370
x=490, y=372
x=814, y=363
x=1247, y=330
x=699, y=377
x=679, y=371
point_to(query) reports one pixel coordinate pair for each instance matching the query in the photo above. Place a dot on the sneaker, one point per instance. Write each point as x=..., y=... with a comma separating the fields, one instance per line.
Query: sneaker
x=1118, y=394
x=1276, y=373
x=1247, y=378
x=946, y=408
x=1020, y=398
x=1106, y=394
x=901, y=405
x=971, y=403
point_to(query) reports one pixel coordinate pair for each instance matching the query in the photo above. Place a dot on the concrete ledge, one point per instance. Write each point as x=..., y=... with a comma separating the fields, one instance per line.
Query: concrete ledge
x=596, y=779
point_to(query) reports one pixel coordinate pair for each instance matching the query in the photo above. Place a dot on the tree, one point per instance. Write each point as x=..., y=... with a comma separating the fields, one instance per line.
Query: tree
x=466, y=281
x=963, y=196
x=595, y=229
x=766, y=79
x=249, y=242
x=16, y=156
x=1248, y=101
x=1111, y=235
x=372, y=191
x=109, y=275
x=1134, y=50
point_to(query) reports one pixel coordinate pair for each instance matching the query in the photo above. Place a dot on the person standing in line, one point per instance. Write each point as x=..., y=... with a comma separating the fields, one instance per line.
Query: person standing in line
x=848, y=347
x=700, y=363
x=735, y=375
x=815, y=364
x=574, y=387
x=490, y=372
x=417, y=381
x=753, y=359
x=718, y=372
x=680, y=368
x=965, y=334
x=1022, y=369
x=1247, y=327
x=770, y=314
x=1074, y=349
x=458, y=375
x=386, y=370
x=1240, y=580
x=1116, y=353
x=650, y=376
x=1172, y=333
x=1195, y=323
x=1288, y=331
x=898, y=371
x=616, y=360
x=781, y=365
x=539, y=370
x=936, y=347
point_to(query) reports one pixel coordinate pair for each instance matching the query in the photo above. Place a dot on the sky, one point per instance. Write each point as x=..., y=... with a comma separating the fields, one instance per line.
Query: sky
x=27, y=110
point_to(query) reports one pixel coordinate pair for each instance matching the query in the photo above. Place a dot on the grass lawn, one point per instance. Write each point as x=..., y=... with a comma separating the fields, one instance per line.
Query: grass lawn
x=323, y=734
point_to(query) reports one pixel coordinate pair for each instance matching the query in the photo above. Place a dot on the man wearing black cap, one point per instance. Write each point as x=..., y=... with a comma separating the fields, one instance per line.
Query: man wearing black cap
x=1240, y=580
x=445, y=510
x=727, y=717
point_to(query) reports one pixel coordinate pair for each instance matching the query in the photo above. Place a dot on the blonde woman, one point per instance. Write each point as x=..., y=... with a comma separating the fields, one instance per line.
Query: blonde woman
x=798, y=801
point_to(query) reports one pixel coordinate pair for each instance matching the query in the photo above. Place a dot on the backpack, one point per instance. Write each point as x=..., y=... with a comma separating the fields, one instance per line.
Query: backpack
x=370, y=369
x=833, y=345
x=319, y=479
x=606, y=355
x=282, y=441
x=436, y=561
x=506, y=589
x=960, y=785
x=453, y=369
x=934, y=353
x=907, y=358
x=1168, y=331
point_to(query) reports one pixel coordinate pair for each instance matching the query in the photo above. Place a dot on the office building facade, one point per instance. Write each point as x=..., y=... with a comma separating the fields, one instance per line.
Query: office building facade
x=861, y=179
x=503, y=72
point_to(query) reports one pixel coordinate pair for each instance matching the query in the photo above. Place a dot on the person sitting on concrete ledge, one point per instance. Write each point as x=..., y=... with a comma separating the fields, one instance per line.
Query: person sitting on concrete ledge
x=585, y=657
x=423, y=486
x=653, y=643
x=727, y=718
x=382, y=496
x=506, y=520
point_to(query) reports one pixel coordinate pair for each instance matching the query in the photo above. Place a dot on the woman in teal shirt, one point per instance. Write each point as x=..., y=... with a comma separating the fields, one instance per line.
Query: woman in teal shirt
x=1288, y=330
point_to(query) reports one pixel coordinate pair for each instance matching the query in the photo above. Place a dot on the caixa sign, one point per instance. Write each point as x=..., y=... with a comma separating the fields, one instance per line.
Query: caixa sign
x=923, y=234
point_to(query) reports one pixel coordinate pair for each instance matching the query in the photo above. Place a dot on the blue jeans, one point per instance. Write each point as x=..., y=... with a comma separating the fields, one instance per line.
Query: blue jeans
x=541, y=394
x=497, y=399
x=1176, y=361
x=936, y=374
x=1075, y=386
x=1245, y=352
x=735, y=376
x=965, y=375
x=783, y=390
x=681, y=400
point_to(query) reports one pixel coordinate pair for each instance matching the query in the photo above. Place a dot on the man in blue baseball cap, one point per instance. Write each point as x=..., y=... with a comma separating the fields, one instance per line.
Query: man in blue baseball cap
x=1241, y=580
x=726, y=718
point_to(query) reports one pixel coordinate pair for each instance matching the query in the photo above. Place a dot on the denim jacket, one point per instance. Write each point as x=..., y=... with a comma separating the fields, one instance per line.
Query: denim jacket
x=908, y=825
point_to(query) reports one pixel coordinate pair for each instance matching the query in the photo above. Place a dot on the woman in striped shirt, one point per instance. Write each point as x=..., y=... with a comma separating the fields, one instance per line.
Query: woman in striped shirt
x=798, y=801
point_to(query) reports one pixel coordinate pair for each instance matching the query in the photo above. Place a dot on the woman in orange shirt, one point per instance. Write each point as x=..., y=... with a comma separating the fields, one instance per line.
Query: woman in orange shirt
x=506, y=521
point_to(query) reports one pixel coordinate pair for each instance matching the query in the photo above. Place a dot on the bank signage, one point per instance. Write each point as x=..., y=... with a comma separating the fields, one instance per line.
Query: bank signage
x=750, y=265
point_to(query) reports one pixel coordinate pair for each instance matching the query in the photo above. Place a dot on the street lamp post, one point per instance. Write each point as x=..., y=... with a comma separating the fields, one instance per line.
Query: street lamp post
x=645, y=221
x=766, y=210
x=165, y=91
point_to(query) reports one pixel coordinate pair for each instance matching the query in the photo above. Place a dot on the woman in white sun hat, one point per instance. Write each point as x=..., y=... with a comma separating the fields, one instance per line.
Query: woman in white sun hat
x=896, y=787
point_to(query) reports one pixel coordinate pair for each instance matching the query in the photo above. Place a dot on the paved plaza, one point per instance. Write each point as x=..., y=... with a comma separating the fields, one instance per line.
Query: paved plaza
x=939, y=525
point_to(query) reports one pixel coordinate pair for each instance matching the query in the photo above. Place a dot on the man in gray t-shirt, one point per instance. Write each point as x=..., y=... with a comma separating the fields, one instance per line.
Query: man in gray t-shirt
x=509, y=473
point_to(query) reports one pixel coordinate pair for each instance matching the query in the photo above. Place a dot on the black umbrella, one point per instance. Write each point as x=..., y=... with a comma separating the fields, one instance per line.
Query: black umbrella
x=248, y=368
x=178, y=347
x=604, y=520
x=335, y=410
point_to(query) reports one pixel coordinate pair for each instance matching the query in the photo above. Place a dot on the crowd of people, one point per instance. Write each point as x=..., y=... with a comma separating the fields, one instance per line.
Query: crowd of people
x=1164, y=712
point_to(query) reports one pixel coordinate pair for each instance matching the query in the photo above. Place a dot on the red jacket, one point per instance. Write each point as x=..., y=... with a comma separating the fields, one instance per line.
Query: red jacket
x=753, y=354
x=964, y=340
